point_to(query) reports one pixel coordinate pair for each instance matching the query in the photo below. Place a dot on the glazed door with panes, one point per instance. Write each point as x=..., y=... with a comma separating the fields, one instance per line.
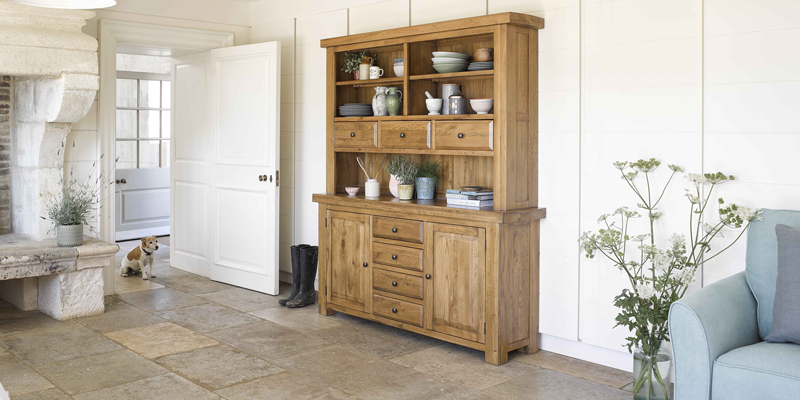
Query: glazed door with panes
x=348, y=279
x=456, y=292
x=143, y=162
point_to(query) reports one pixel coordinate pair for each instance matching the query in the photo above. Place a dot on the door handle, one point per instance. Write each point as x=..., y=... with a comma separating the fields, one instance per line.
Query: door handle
x=394, y=256
x=122, y=181
x=365, y=265
x=427, y=276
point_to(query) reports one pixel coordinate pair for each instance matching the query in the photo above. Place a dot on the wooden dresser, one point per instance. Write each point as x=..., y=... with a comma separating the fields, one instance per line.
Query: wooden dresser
x=466, y=276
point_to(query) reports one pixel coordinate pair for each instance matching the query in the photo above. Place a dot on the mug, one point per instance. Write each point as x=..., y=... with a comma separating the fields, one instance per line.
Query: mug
x=375, y=72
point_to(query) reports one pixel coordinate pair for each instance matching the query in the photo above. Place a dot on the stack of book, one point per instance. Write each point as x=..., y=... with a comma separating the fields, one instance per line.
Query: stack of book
x=469, y=199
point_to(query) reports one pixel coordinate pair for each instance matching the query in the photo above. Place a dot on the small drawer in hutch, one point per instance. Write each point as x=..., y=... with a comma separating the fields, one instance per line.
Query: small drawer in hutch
x=355, y=134
x=464, y=135
x=393, y=282
x=397, y=256
x=405, y=135
x=397, y=310
x=398, y=229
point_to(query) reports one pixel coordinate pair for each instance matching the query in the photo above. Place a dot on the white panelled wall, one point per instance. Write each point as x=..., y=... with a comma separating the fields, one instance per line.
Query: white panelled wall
x=709, y=85
x=706, y=84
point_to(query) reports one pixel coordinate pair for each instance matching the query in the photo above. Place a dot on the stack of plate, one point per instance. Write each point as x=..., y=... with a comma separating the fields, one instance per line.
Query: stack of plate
x=355, y=110
x=448, y=61
x=481, y=66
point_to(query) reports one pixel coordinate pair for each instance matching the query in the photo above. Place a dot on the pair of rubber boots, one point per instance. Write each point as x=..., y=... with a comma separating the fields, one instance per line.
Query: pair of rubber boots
x=304, y=272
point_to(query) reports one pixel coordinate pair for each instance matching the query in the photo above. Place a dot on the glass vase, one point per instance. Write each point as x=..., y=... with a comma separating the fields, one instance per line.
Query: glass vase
x=650, y=375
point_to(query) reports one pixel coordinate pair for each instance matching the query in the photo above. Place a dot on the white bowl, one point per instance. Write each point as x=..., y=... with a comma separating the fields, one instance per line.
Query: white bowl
x=482, y=106
x=398, y=70
x=450, y=54
x=437, y=60
x=434, y=106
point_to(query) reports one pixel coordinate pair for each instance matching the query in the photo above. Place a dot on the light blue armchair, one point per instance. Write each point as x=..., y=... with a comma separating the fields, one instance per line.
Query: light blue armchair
x=718, y=332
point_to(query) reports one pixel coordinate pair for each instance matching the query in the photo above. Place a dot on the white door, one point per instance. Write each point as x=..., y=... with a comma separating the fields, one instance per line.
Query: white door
x=142, y=202
x=190, y=154
x=236, y=145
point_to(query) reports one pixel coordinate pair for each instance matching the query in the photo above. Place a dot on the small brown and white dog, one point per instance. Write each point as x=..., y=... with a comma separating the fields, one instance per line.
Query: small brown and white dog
x=139, y=258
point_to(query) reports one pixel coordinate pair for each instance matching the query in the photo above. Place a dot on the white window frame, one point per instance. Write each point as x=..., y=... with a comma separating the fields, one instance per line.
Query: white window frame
x=139, y=77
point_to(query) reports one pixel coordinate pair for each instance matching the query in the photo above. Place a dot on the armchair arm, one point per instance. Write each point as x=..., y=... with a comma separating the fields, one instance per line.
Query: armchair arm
x=706, y=324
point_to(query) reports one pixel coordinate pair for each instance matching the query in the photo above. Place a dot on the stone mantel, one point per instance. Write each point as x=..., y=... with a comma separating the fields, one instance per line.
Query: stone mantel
x=63, y=282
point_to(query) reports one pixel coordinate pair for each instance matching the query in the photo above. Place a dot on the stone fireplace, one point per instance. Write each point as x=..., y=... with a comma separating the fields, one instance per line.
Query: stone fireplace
x=48, y=80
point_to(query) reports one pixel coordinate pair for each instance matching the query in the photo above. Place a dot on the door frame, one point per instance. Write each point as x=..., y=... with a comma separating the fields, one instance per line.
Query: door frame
x=113, y=33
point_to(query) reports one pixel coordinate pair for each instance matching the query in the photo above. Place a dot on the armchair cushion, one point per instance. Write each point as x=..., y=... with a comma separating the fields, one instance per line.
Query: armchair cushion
x=762, y=262
x=760, y=371
x=706, y=324
x=786, y=311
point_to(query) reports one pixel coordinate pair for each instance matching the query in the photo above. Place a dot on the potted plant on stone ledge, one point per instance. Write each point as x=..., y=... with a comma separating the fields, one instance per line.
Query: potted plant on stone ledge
x=659, y=276
x=75, y=208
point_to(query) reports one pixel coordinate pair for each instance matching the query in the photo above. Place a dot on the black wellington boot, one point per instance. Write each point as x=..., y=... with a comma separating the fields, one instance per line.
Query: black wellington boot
x=308, y=270
x=296, y=274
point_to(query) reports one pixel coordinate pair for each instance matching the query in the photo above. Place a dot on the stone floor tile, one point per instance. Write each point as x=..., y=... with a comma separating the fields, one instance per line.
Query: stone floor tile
x=284, y=386
x=27, y=320
x=191, y=283
x=119, y=316
x=44, y=346
x=162, y=269
x=377, y=339
x=161, y=299
x=218, y=367
x=463, y=365
x=572, y=366
x=242, y=299
x=49, y=394
x=163, y=387
x=207, y=317
x=628, y=387
x=267, y=340
x=345, y=369
x=134, y=283
x=306, y=319
x=420, y=386
x=99, y=371
x=160, y=339
x=17, y=378
x=545, y=384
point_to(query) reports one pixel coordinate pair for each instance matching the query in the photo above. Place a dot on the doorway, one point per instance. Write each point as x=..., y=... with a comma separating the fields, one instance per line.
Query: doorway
x=142, y=146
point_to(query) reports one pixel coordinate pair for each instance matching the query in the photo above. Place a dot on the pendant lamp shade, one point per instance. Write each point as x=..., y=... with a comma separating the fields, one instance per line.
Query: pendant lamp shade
x=69, y=4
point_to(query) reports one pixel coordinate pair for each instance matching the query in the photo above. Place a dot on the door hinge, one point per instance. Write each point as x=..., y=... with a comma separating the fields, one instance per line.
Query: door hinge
x=277, y=178
x=326, y=293
x=326, y=222
x=484, y=324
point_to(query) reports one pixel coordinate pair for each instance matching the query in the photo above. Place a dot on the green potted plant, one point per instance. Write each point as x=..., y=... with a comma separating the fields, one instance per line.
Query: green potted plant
x=406, y=175
x=74, y=209
x=353, y=59
x=427, y=178
x=659, y=275
x=393, y=168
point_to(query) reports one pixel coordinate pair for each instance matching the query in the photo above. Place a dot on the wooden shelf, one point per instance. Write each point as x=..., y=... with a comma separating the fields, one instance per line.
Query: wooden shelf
x=416, y=118
x=454, y=75
x=476, y=153
x=371, y=82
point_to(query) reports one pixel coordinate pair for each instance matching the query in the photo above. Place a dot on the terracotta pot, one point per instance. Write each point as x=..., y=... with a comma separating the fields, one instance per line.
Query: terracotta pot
x=406, y=192
x=393, y=182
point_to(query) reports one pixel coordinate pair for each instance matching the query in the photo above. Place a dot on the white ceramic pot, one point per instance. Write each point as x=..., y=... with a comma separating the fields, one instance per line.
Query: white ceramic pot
x=69, y=235
x=372, y=189
x=393, y=182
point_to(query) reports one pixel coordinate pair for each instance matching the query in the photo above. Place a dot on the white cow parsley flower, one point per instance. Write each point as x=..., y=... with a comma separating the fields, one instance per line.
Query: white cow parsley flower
x=697, y=179
x=645, y=291
x=749, y=214
x=660, y=264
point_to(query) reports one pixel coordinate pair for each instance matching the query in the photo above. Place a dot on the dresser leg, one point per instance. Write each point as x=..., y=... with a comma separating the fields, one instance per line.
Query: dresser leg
x=323, y=308
x=496, y=358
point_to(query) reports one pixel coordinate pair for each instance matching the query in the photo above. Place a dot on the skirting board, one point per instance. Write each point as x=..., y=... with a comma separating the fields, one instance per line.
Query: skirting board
x=583, y=351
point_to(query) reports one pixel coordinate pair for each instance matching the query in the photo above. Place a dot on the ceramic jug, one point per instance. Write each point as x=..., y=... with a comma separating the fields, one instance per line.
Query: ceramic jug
x=393, y=101
x=363, y=68
x=379, y=102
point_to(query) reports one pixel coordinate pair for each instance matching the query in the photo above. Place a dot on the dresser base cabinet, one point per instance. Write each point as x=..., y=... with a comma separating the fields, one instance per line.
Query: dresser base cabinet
x=477, y=284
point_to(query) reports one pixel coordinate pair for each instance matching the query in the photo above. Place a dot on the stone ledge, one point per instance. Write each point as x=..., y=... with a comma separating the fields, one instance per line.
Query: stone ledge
x=22, y=257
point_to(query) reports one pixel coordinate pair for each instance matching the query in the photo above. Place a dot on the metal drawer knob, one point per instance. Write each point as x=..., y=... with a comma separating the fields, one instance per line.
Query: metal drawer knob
x=394, y=256
x=402, y=135
x=394, y=283
x=427, y=276
x=352, y=134
x=365, y=265
x=394, y=310
x=460, y=135
x=394, y=230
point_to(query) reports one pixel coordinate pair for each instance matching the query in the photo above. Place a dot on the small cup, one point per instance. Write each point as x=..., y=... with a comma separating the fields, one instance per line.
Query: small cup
x=434, y=106
x=484, y=54
x=352, y=190
x=399, y=70
x=375, y=72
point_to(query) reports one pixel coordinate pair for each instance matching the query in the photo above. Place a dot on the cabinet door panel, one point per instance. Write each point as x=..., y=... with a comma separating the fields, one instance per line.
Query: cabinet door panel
x=456, y=291
x=348, y=277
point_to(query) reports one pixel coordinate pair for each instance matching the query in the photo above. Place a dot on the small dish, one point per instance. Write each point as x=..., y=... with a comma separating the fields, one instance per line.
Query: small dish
x=438, y=60
x=450, y=54
x=482, y=106
x=471, y=188
x=352, y=190
x=446, y=68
